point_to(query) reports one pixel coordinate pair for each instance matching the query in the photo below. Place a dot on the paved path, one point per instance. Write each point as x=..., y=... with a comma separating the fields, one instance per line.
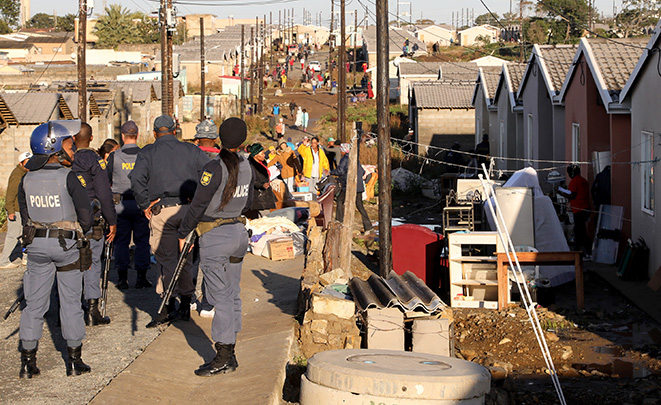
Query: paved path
x=164, y=372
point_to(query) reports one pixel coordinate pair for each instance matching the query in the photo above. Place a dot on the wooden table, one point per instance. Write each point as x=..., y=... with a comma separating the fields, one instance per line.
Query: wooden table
x=539, y=258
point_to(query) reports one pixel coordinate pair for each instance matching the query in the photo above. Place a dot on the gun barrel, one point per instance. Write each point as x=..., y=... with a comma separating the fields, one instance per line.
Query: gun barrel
x=183, y=256
x=14, y=306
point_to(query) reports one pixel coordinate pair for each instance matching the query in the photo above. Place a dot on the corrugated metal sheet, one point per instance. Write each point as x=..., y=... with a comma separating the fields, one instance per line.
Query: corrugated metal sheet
x=406, y=292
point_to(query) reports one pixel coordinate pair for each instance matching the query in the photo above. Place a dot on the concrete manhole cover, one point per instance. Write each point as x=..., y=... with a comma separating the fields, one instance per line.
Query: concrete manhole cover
x=389, y=362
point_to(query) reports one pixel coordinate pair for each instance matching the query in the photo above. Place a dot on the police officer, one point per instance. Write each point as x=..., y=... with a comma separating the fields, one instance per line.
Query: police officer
x=54, y=204
x=163, y=181
x=223, y=193
x=206, y=133
x=131, y=221
x=92, y=168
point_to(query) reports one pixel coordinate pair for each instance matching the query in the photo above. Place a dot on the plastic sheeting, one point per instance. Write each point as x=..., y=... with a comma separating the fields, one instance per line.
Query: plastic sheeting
x=548, y=231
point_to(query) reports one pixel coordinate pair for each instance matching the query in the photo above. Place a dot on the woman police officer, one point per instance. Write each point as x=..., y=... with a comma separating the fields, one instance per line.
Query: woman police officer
x=223, y=194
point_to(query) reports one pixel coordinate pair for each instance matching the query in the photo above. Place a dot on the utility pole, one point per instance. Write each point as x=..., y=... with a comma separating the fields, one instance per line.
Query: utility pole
x=355, y=46
x=261, y=68
x=331, y=42
x=397, y=13
x=203, y=68
x=243, y=72
x=342, y=77
x=170, y=77
x=252, y=63
x=164, y=47
x=82, y=63
x=521, y=22
x=271, y=37
x=383, y=136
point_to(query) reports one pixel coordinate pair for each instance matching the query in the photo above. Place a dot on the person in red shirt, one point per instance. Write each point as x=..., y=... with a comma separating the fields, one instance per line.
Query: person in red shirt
x=580, y=204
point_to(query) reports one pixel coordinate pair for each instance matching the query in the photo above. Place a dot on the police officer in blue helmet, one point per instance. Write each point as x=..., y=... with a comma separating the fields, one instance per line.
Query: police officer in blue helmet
x=223, y=194
x=56, y=213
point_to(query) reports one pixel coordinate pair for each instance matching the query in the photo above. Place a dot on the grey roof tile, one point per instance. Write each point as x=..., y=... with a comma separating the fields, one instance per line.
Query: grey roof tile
x=491, y=76
x=515, y=71
x=419, y=68
x=443, y=94
x=397, y=37
x=557, y=59
x=617, y=62
x=31, y=108
x=459, y=71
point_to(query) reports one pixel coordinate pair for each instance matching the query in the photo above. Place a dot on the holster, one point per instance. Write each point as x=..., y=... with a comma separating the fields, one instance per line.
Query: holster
x=28, y=234
x=156, y=209
x=204, y=227
x=116, y=198
x=84, y=261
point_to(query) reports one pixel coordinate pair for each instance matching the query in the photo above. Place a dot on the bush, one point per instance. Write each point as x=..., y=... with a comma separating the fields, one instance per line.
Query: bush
x=3, y=212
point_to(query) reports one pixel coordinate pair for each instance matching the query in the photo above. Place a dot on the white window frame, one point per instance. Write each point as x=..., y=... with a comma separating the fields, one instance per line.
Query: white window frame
x=647, y=172
x=529, y=138
x=575, y=142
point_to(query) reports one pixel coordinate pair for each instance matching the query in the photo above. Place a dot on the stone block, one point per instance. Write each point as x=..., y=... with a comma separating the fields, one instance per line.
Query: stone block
x=334, y=276
x=319, y=325
x=327, y=305
x=431, y=336
x=385, y=329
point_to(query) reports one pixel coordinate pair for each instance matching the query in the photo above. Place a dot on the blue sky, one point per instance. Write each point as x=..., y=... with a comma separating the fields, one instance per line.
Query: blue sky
x=438, y=10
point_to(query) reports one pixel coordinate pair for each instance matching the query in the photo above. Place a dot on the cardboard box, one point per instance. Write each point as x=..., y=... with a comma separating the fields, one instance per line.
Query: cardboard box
x=302, y=196
x=281, y=248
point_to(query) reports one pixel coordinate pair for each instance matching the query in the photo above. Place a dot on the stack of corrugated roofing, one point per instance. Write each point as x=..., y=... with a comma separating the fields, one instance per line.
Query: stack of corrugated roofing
x=406, y=292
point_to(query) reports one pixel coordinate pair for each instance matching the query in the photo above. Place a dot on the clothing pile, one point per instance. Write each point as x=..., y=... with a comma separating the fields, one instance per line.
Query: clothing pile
x=266, y=229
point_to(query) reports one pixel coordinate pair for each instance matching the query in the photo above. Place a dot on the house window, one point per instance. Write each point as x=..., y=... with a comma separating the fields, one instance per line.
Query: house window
x=575, y=142
x=57, y=49
x=529, y=136
x=647, y=171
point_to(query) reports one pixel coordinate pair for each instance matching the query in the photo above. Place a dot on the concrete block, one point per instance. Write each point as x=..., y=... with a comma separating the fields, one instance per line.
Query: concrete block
x=319, y=325
x=334, y=276
x=327, y=305
x=385, y=329
x=431, y=336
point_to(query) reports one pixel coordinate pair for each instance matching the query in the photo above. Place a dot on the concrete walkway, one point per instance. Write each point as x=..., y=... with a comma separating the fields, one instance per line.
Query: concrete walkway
x=164, y=372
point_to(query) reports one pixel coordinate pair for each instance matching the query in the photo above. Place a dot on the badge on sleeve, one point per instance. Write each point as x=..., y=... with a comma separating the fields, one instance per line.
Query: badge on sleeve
x=206, y=178
x=82, y=180
x=102, y=163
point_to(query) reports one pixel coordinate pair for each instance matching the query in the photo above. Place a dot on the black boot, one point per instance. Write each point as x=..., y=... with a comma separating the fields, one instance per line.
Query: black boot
x=95, y=316
x=123, y=283
x=168, y=315
x=75, y=365
x=29, y=363
x=223, y=363
x=184, y=307
x=142, y=281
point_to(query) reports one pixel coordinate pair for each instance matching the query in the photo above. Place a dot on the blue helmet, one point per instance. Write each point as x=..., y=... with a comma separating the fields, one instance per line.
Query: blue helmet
x=46, y=140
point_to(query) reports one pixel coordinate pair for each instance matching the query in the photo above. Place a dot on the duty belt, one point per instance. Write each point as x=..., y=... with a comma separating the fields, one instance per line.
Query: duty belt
x=204, y=227
x=54, y=233
x=156, y=209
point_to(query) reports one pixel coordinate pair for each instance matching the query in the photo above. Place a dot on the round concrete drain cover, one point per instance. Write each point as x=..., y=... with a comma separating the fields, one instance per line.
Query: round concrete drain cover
x=401, y=363
x=396, y=374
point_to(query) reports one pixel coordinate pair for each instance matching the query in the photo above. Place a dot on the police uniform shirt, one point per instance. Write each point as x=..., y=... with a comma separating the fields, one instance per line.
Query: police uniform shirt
x=45, y=195
x=120, y=164
x=209, y=194
x=167, y=169
x=89, y=165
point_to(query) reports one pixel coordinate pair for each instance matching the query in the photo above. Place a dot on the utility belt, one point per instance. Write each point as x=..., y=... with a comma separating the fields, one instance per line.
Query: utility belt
x=62, y=231
x=97, y=230
x=204, y=226
x=156, y=209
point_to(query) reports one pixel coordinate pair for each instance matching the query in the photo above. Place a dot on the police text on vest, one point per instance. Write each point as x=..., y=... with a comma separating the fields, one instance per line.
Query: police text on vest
x=45, y=201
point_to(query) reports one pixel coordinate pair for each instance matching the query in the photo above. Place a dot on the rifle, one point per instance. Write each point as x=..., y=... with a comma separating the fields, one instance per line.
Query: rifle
x=107, y=251
x=14, y=306
x=190, y=239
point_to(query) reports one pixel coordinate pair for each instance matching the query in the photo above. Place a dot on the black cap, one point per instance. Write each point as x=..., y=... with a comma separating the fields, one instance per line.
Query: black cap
x=233, y=132
x=129, y=128
x=164, y=121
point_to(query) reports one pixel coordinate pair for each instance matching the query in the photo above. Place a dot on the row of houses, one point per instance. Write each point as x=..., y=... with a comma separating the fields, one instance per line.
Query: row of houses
x=595, y=104
x=446, y=35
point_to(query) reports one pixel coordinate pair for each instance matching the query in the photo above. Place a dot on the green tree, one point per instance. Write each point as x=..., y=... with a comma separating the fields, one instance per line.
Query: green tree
x=4, y=28
x=116, y=27
x=40, y=20
x=67, y=23
x=9, y=11
x=424, y=21
x=570, y=16
x=636, y=16
x=148, y=29
x=487, y=18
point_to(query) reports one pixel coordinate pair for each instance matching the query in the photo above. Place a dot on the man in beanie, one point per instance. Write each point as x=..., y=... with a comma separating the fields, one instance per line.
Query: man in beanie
x=223, y=193
x=341, y=173
x=206, y=133
x=12, y=253
x=163, y=181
